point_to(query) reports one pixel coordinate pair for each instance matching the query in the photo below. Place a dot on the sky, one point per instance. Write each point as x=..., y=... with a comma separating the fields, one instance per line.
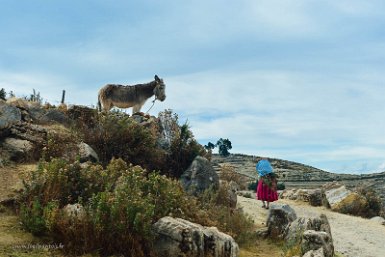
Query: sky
x=300, y=80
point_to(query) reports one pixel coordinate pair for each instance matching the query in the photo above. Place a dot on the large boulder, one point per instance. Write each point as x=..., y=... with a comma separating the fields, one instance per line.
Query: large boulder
x=316, y=197
x=178, y=237
x=279, y=218
x=199, y=176
x=298, y=228
x=353, y=204
x=336, y=195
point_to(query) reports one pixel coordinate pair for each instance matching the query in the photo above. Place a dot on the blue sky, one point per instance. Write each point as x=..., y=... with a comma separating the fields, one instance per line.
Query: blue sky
x=301, y=80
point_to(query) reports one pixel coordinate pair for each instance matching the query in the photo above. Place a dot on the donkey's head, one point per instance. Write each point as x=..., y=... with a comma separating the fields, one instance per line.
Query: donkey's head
x=160, y=89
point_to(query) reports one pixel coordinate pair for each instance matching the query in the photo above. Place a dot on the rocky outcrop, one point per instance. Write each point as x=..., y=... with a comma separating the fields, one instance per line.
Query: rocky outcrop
x=279, y=218
x=199, y=176
x=311, y=233
x=178, y=237
x=297, y=175
x=18, y=149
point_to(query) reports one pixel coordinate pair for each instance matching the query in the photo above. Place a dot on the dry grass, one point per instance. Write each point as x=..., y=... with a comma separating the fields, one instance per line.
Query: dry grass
x=11, y=178
x=263, y=248
x=12, y=236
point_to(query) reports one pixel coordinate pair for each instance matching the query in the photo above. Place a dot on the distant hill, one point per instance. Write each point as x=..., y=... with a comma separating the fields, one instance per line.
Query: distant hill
x=297, y=175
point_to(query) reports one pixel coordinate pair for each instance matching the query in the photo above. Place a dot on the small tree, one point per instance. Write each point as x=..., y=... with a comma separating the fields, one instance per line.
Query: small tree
x=3, y=94
x=224, y=145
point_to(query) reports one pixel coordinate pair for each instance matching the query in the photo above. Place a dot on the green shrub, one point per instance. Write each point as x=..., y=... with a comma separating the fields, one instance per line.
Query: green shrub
x=253, y=186
x=3, y=94
x=32, y=217
x=122, y=137
x=230, y=221
x=184, y=148
x=281, y=186
x=121, y=203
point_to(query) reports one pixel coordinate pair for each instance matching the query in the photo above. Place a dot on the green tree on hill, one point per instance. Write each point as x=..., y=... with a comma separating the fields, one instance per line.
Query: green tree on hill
x=3, y=94
x=224, y=145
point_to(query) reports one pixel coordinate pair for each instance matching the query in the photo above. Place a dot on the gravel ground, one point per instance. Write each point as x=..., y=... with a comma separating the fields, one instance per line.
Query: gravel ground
x=352, y=236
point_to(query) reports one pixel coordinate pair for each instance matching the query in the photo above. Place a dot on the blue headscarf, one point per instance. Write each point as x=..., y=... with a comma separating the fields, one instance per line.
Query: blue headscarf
x=264, y=167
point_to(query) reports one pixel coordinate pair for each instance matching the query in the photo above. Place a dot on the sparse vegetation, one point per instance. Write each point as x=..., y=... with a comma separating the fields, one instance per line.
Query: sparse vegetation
x=121, y=202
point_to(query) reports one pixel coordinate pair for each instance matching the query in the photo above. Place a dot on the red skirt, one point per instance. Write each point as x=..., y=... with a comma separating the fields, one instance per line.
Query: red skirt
x=265, y=193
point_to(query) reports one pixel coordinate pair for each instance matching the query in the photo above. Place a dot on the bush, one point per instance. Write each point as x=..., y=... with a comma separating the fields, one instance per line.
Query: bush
x=3, y=94
x=374, y=204
x=122, y=137
x=121, y=203
x=281, y=186
x=253, y=186
x=184, y=148
x=231, y=221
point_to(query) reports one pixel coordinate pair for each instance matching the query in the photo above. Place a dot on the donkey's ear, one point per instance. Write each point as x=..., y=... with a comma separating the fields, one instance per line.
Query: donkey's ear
x=157, y=78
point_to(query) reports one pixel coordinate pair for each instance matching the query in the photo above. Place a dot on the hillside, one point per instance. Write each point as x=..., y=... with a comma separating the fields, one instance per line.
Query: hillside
x=297, y=175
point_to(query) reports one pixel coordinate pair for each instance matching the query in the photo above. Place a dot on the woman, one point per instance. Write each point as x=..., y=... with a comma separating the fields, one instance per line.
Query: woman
x=267, y=183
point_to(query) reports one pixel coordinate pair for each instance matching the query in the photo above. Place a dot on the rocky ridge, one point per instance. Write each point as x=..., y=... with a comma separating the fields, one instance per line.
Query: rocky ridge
x=297, y=175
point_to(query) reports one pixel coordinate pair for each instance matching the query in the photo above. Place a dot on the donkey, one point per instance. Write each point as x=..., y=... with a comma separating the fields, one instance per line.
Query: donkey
x=130, y=96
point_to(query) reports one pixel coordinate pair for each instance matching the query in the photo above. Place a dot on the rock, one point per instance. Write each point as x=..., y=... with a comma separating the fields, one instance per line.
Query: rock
x=262, y=232
x=168, y=129
x=9, y=115
x=316, y=197
x=18, y=149
x=379, y=220
x=335, y=195
x=313, y=240
x=199, y=176
x=317, y=253
x=297, y=227
x=232, y=192
x=353, y=203
x=297, y=194
x=178, y=237
x=86, y=153
x=73, y=212
x=279, y=218
x=54, y=115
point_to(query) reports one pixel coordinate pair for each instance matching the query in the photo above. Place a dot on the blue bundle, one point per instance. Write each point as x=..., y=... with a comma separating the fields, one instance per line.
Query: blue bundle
x=264, y=167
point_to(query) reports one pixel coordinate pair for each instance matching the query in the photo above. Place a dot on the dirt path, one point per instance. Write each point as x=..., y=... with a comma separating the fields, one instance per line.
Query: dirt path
x=352, y=236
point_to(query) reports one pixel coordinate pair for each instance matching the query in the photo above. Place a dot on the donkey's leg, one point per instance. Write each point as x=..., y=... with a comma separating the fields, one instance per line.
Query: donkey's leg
x=107, y=106
x=136, y=108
